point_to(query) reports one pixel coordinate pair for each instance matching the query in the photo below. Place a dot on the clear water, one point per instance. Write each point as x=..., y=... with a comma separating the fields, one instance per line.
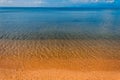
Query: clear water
x=38, y=23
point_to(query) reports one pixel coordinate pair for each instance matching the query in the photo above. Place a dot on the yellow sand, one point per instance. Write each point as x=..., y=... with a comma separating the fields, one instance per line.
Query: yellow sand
x=54, y=74
x=59, y=59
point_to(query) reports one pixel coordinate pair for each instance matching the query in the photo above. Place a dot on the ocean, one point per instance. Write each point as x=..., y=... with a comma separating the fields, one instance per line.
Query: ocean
x=59, y=23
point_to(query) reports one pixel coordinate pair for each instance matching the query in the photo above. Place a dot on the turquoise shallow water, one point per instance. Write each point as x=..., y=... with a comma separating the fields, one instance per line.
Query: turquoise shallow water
x=40, y=23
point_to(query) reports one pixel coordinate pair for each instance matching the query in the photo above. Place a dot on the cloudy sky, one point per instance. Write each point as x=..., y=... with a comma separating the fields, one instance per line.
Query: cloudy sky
x=54, y=3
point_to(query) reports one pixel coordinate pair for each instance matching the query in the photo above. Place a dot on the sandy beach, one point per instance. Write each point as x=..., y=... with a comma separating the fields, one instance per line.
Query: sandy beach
x=59, y=59
x=54, y=74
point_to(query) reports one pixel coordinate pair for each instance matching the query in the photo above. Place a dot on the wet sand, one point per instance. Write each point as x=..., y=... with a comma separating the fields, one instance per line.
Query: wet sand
x=60, y=59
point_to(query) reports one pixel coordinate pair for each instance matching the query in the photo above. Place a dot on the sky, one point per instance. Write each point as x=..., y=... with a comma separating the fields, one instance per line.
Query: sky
x=58, y=3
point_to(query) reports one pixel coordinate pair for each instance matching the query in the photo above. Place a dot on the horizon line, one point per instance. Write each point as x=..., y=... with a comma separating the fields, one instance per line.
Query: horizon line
x=84, y=7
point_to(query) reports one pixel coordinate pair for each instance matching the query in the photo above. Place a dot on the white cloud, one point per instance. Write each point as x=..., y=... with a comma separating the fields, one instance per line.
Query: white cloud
x=92, y=1
x=37, y=2
x=21, y=2
x=110, y=1
x=6, y=1
x=78, y=1
x=3, y=1
x=49, y=2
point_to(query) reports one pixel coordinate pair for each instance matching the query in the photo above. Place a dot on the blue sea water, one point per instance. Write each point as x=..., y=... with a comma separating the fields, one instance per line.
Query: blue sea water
x=59, y=23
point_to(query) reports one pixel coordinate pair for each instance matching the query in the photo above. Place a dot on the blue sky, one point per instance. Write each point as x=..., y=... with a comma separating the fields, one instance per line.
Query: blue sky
x=57, y=3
